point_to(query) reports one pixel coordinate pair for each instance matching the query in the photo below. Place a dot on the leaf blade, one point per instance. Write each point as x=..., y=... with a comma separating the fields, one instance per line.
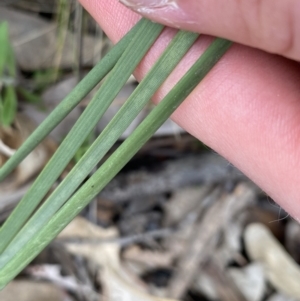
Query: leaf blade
x=68, y=103
x=132, y=107
x=143, y=40
x=8, y=106
x=120, y=157
x=4, y=46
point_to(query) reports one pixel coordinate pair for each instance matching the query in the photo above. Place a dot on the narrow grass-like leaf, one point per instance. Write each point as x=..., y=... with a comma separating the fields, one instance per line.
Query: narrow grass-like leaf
x=8, y=108
x=156, y=76
x=117, y=160
x=143, y=40
x=4, y=46
x=69, y=103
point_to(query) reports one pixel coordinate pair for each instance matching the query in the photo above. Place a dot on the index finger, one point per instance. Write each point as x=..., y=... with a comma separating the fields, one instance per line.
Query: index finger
x=247, y=109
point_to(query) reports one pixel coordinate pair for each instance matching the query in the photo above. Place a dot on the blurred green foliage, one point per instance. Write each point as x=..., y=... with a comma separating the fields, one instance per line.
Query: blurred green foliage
x=8, y=97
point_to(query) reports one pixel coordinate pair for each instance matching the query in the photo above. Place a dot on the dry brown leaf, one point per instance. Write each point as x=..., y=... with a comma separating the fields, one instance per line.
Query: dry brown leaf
x=52, y=273
x=205, y=284
x=139, y=261
x=5, y=151
x=12, y=137
x=183, y=202
x=250, y=280
x=33, y=291
x=281, y=270
x=149, y=259
x=118, y=284
x=280, y=297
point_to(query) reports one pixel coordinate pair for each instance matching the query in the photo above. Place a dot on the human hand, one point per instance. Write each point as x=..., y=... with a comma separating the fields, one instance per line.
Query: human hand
x=248, y=107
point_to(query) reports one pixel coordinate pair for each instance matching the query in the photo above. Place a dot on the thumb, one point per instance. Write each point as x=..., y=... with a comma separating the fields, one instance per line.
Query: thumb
x=271, y=25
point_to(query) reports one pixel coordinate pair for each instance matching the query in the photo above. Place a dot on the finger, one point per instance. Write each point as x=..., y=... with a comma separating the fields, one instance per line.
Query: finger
x=271, y=25
x=247, y=108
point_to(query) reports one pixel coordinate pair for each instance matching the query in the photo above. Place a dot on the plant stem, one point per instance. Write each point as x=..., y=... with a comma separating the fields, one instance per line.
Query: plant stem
x=117, y=160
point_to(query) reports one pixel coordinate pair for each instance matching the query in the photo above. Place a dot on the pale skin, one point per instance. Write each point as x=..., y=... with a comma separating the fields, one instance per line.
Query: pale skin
x=248, y=107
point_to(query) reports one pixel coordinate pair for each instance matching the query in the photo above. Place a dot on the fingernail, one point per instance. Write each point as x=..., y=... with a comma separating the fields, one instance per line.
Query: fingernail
x=143, y=5
x=173, y=13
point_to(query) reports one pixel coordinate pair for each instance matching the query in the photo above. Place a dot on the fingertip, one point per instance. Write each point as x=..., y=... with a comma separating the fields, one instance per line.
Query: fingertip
x=112, y=16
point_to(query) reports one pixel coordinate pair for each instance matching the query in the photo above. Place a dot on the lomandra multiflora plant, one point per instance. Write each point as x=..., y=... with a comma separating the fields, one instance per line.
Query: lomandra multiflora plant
x=28, y=231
